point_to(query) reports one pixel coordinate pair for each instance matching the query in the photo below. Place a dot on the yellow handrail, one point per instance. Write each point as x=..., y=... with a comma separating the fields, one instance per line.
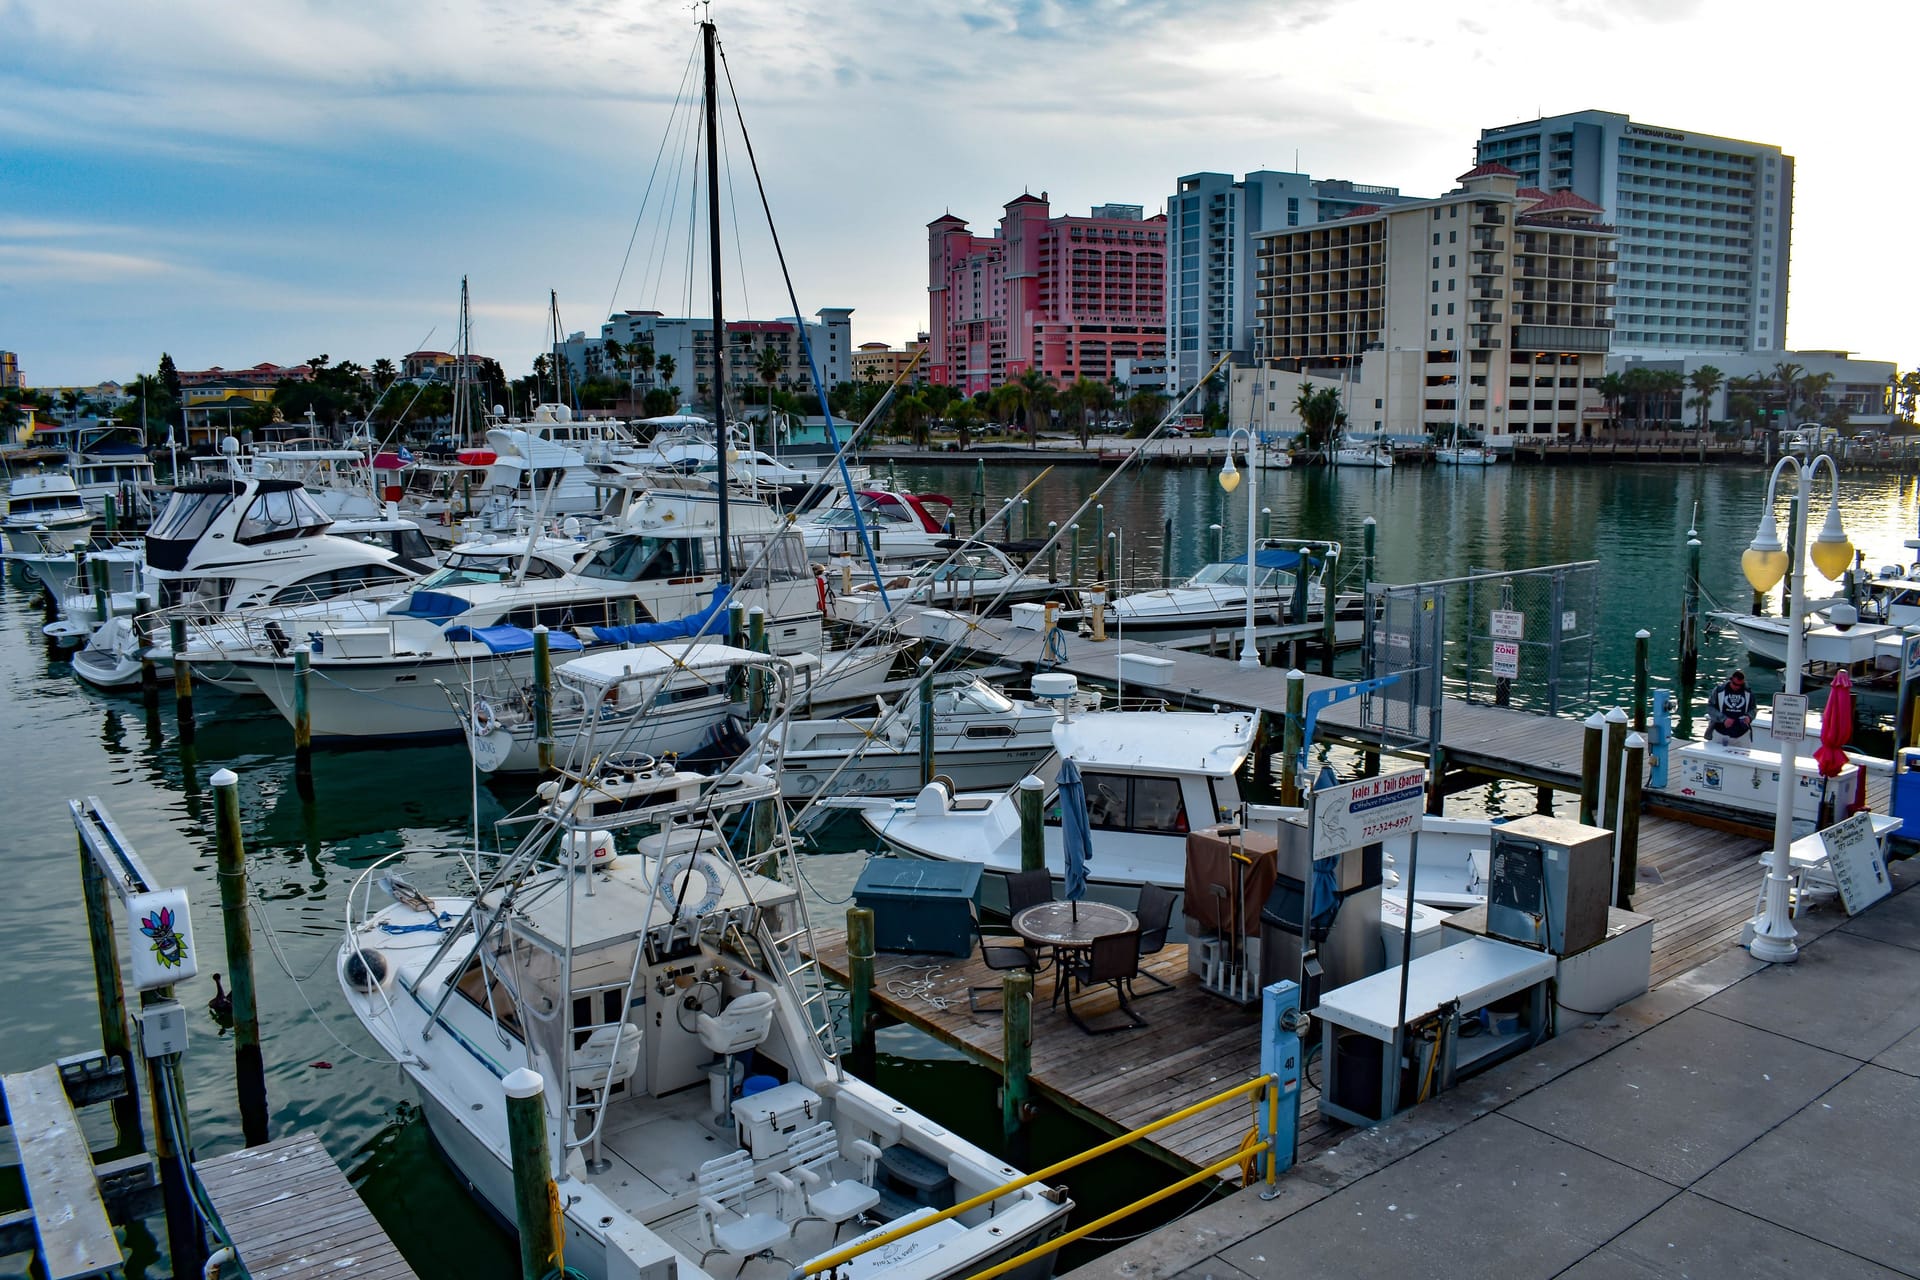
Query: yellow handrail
x=850, y=1252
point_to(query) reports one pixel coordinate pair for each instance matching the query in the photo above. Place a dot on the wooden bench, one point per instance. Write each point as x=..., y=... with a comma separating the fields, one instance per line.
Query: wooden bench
x=70, y=1218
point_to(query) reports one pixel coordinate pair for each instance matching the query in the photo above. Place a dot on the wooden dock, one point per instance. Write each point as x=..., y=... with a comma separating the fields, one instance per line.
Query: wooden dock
x=1698, y=885
x=292, y=1215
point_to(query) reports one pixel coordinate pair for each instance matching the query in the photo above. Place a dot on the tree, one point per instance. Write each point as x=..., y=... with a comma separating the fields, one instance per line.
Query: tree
x=1144, y=410
x=643, y=359
x=1813, y=393
x=1322, y=417
x=385, y=374
x=1007, y=402
x=911, y=412
x=1705, y=381
x=70, y=402
x=769, y=365
x=1079, y=402
x=965, y=417
x=1667, y=386
x=1910, y=392
x=667, y=366
x=1613, y=390
x=1786, y=380
x=1639, y=384
x=657, y=403
x=170, y=383
x=1038, y=402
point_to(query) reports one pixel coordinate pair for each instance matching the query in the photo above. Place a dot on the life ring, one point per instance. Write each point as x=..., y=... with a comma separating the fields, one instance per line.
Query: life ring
x=686, y=864
x=484, y=721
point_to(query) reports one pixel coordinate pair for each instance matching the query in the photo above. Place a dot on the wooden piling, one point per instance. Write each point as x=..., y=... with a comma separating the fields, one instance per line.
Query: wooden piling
x=757, y=679
x=543, y=699
x=1369, y=528
x=1640, y=639
x=1437, y=782
x=302, y=723
x=1627, y=837
x=1166, y=552
x=1016, y=1047
x=860, y=985
x=1100, y=541
x=1290, y=739
x=624, y=611
x=111, y=512
x=172, y=1149
x=182, y=679
x=1073, y=554
x=536, y=1202
x=1592, y=752
x=110, y=999
x=1033, y=831
x=927, y=763
x=143, y=635
x=1690, y=638
x=1053, y=551
x=1214, y=542
x=1616, y=747
x=249, y=1067
x=1262, y=749
x=102, y=596
x=1329, y=581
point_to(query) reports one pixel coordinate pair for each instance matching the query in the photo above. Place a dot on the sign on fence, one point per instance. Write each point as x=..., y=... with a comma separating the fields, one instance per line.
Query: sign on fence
x=1506, y=660
x=1508, y=624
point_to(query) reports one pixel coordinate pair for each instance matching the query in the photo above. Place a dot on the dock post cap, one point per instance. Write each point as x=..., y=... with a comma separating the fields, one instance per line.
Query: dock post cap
x=1296, y=673
x=757, y=609
x=1031, y=783
x=224, y=778
x=1643, y=634
x=1370, y=520
x=1595, y=721
x=1617, y=716
x=523, y=1082
x=540, y=628
x=1636, y=742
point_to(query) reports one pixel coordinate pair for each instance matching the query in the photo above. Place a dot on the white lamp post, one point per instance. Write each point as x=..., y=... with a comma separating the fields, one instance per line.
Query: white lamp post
x=1230, y=480
x=1764, y=562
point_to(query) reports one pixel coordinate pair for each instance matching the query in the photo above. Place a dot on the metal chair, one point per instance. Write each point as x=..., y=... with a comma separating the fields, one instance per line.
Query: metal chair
x=816, y=1194
x=1155, y=914
x=1001, y=954
x=731, y=1227
x=1113, y=960
x=1030, y=889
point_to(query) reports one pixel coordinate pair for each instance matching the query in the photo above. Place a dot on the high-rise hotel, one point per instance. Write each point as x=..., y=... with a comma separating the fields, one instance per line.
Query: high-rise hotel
x=1705, y=224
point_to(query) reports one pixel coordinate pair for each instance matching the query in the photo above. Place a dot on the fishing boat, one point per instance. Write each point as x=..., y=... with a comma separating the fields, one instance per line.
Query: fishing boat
x=1151, y=778
x=660, y=980
x=981, y=739
x=1215, y=598
x=45, y=515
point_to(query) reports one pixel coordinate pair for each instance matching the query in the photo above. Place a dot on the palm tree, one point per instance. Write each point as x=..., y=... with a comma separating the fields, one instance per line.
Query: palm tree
x=1910, y=391
x=912, y=412
x=769, y=365
x=1705, y=381
x=643, y=360
x=1321, y=415
x=1786, y=378
x=1639, y=385
x=1041, y=394
x=1813, y=393
x=965, y=416
x=1668, y=385
x=1613, y=390
x=1007, y=401
x=384, y=372
x=70, y=403
x=667, y=366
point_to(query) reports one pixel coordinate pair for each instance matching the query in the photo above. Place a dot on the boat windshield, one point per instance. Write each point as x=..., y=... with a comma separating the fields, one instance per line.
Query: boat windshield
x=1235, y=575
x=281, y=513
x=638, y=559
x=971, y=699
x=188, y=514
x=466, y=569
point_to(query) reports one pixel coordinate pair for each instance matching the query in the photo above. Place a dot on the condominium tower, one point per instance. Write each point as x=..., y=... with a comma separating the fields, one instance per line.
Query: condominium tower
x=1211, y=222
x=1508, y=288
x=1067, y=296
x=1705, y=225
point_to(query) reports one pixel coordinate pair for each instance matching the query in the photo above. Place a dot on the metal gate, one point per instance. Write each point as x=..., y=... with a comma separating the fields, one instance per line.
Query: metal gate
x=1405, y=636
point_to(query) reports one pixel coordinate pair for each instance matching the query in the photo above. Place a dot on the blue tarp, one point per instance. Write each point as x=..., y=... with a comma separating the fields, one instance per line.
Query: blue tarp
x=512, y=639
x=434, y=606
x=1271, y=558
x=656, y=632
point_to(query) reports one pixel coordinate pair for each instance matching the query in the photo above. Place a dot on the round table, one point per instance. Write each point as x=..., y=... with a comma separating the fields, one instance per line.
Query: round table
x=1073, y=925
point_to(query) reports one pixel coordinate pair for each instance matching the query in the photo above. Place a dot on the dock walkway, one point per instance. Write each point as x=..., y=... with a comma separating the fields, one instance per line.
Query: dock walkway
x=293, y=1216
x=1698, y=885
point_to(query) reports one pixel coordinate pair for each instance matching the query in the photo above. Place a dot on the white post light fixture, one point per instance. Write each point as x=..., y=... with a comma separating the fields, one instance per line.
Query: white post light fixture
x=1229, y=481
x=1764, y=562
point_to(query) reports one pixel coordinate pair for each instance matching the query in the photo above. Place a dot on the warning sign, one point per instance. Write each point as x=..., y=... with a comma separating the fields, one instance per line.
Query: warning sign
x=1506, y=660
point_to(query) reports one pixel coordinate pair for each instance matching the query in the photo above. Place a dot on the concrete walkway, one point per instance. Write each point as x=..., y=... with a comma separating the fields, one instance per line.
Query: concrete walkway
x=1742, y=1120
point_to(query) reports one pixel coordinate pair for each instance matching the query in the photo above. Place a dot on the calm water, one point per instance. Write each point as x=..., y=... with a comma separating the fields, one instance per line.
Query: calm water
x=61, y=740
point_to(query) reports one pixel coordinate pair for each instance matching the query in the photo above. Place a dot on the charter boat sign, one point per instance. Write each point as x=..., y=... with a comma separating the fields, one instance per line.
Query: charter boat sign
x=1351, y=814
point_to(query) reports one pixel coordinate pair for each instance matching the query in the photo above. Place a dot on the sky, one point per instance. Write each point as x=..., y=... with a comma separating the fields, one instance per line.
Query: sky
x=235, y=183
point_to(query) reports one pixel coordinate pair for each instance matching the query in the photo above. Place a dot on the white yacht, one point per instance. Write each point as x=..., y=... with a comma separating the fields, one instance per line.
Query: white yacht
x=981, y=739
x=971, y=576
x=45, y=515
x=898, y=525
x=1374, y=455
x=1151, y=777
x=122, y=474
x=1214, y=600
x=698, y=1111
x=1457, y=454
x=389, y=676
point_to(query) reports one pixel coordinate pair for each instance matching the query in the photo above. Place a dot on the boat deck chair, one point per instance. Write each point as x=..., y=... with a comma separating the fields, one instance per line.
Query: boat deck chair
x=732, y=1227
x=809, y=1190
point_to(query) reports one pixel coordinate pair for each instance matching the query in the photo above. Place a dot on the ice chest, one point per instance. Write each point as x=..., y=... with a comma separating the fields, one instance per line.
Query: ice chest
x=920, y=905
x=768, y=1120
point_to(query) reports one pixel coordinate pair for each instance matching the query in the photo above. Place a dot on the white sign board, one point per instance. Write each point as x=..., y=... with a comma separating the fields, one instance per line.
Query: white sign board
x=1789, y=716
x=160, y=939
x=1853, y=855
x=1569, y=620
x=1351, y=814
x=1506, y=660
x=1508, y=624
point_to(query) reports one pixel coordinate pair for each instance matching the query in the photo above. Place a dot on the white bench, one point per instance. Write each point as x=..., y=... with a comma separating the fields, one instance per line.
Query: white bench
x=1808, y=869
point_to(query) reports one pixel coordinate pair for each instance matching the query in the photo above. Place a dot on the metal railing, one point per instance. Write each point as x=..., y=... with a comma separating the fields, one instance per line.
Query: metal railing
x=827, y=1264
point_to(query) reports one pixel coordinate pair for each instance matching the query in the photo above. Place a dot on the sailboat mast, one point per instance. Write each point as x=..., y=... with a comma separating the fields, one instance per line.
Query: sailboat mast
x=710, y=39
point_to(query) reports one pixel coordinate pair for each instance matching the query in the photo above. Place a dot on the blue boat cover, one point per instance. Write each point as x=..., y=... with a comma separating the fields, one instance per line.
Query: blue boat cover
x=434, y=606
x=1271, y=558
x=512, y=639
x=656, y=632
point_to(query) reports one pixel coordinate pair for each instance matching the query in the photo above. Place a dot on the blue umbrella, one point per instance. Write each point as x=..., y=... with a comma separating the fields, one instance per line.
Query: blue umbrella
x=1076, y=832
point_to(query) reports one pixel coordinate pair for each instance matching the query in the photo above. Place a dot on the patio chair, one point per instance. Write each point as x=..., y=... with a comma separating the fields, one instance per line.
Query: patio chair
x=1113, y=960
x=1155, y=914
x=1001, y=954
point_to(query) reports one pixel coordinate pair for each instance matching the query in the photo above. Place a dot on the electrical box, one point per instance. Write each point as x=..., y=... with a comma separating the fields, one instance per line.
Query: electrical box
x=163, y=1029
x=1549, y=883
x=767, y=1120
x=920, y=905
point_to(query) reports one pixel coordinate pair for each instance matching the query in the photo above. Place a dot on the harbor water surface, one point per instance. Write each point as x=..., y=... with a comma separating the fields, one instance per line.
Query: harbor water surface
x=64, y=741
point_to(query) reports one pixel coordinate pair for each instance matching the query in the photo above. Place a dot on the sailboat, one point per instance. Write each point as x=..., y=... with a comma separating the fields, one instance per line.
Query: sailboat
x=1464, y=455
x=1372, y=454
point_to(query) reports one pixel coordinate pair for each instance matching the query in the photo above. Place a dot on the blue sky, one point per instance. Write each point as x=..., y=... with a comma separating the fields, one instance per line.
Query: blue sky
x=236, y=183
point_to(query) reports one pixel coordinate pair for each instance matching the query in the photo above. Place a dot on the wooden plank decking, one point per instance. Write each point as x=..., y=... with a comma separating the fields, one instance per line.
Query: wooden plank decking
x=1698, y=885
x=69, y=1217
x=293, y=1216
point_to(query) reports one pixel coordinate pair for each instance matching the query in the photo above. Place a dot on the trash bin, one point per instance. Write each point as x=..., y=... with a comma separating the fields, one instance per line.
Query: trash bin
x=919, y=905
x=1905, y=804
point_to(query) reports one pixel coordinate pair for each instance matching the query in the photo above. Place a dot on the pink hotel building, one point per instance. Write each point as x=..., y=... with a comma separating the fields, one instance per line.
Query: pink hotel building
x=1067, y=296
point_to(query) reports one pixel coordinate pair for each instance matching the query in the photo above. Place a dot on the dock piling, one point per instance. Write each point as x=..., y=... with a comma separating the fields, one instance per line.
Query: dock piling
x=543, y=701
x=1592, y=750
x=302, y=723
x=1690, y=636
x=1627, y=833
x=1016, y=1032
x=143, y=635
x=1166, y=552
x=1613, y=767
x=249, y=1067
x=1329, y=638
x=536, y=1202
x=1053, y=551
x=757, y=679
x=111, y=1000
x=1100, y=541
x=173, y=1148
x=1640, y=639
x=1073, y=554
x=1033, y=837
x=860, y=985
x=102, y=593
x=182, y=679
x=1369, y=528
x=926, y=726
x=1213, y=544
x=1291, y=738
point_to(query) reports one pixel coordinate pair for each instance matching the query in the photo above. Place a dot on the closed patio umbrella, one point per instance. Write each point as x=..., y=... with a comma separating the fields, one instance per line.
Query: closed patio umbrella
x=1836, y=730
x=1076, y=832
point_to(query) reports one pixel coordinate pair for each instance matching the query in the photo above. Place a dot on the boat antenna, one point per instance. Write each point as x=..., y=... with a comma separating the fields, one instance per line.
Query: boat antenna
x=709, y=38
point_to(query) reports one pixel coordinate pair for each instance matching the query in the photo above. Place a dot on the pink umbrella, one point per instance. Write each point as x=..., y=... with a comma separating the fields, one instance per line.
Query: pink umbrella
x=1836, y=730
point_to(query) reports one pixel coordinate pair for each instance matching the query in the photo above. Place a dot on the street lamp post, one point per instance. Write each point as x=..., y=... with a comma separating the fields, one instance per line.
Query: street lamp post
x=1230, y=480
x=1764, y=562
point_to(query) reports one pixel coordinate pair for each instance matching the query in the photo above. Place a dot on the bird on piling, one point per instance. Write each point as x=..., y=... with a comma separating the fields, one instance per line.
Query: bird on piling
x=221, y=1006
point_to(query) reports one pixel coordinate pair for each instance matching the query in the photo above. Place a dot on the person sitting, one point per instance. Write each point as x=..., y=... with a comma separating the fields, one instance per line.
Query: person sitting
x=1730, y=711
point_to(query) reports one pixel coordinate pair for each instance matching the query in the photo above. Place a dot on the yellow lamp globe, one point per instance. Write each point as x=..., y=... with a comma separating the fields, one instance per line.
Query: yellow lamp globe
x=1229, y=474
x=1832, y=551
x=1765, y=560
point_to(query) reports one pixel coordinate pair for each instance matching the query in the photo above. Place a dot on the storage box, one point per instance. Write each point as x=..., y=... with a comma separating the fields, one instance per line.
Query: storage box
x=1030, y=617
x=767, y=1121
x=1749, y=780
x=920, y=905
x=944, y=627
x=1393, y=927
x=1145, y=668
x=1589, y=983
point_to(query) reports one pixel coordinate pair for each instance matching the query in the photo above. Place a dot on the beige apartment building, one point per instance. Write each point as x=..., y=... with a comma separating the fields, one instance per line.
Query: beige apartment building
x=1508, y=288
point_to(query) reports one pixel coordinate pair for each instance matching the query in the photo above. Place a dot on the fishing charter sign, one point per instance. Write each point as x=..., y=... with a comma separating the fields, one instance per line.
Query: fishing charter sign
x=1348, y=815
